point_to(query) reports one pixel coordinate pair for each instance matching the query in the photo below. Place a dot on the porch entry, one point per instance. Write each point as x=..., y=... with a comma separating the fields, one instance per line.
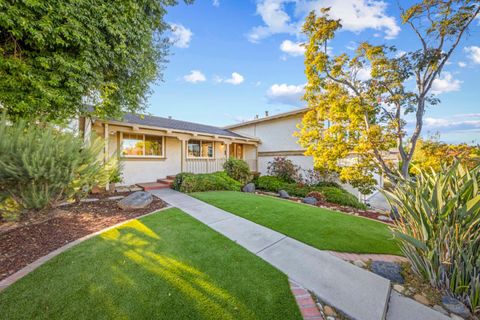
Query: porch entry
x=236, y=151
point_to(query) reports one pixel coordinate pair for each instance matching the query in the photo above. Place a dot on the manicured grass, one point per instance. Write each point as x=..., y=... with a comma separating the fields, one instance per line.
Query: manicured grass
x=163, y=266
x=321, y=228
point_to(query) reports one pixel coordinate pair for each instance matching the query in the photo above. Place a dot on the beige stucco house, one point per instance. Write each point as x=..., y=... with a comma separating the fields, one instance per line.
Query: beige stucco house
x=152, y=148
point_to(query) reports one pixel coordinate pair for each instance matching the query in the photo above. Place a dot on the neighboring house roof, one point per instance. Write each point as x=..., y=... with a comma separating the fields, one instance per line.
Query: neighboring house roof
x=167, y=123
x=264, y=119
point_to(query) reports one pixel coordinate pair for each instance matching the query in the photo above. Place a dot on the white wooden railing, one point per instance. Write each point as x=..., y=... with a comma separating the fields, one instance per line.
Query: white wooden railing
x=204, y=165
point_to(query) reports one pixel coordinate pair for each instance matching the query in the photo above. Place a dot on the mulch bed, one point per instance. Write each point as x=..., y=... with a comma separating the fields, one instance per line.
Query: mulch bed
x=23, y=243
x=323, y=204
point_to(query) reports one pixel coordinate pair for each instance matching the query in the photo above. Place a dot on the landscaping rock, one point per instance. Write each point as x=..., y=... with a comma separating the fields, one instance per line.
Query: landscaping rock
x=383, y=218
x=329, y=311
x=283, y=194
x=440, y=309
x=388, y=270
x=455, y=306
x=250, y=188
x=135, y=188
x=310, y=200
x=136, y=200
x=398, y=288
x=422, y=299
x=122, y=189
x=89, y=200
x=360, y=263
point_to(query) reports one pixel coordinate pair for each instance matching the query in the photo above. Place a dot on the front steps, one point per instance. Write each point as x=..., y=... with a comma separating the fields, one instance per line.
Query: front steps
x=158, y=185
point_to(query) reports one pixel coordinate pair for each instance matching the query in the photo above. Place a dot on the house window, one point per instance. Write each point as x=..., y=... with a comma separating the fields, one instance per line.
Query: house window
x=200, y=149
x=141, y=145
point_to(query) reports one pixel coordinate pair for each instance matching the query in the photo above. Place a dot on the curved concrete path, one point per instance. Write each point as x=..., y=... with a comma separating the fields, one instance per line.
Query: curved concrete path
x=356, y=292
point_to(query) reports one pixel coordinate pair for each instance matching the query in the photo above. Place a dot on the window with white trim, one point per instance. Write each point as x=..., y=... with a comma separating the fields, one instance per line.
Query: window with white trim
x=141, y=145
x=200, y=149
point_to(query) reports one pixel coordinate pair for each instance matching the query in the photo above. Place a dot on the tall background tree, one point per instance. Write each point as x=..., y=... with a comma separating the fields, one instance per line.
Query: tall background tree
x=364, y=117
x=57, y=54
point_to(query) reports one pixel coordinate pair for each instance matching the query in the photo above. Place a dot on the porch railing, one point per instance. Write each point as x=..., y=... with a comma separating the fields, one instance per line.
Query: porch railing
x=204, y=165
x=212, y=165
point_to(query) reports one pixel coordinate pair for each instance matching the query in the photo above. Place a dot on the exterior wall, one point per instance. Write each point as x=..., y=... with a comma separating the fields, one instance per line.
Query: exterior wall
x=138, y=170
x=277, y=139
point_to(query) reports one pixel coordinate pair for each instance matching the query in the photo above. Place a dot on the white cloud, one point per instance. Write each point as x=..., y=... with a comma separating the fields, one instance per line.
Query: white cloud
x=364, y=74
x=180, y=35
x=292, y=48
x=473, y=53
x=356, y=16
x=456, y=122
x=195, y=76
x=216, y=3
x=235, y=79
x=286, y=94
x=462, y=64
x=445, y=83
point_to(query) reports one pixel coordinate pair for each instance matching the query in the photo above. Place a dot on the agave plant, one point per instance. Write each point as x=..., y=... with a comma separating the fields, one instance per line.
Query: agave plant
x=439, y=229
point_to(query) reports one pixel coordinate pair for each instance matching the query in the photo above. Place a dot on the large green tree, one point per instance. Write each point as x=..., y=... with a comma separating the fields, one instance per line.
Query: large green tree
x=55, y=55
x=363, y=117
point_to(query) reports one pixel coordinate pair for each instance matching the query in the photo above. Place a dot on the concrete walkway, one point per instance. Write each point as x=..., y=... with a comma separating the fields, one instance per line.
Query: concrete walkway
x=356, y=292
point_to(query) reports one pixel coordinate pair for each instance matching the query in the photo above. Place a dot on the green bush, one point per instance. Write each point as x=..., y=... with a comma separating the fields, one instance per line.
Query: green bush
x=269, y=183
x=238, y=169
x=177, y=182
x=341, y=197
x=208, y=182
x=40, y=165
x=330, y=190
x=439, y=228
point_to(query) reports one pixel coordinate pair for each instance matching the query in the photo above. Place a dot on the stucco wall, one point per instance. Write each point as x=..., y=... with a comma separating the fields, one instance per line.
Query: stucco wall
x=139, y=170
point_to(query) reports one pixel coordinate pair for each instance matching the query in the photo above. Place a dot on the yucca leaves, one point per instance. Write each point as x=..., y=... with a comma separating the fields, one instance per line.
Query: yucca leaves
x=439, y=228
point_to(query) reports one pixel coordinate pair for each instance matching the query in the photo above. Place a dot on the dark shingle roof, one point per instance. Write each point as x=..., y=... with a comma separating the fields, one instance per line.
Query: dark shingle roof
x=167, y=123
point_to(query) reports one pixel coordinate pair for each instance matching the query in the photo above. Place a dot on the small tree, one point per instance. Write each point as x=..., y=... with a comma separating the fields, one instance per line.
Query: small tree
x=364, y=116
x=284, y=169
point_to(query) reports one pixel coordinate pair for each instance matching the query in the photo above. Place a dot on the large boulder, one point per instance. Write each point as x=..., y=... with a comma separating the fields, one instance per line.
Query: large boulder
x=310, y=200
x=388, y=270
x=283, y=194
x=136, y=200
x=249, y=187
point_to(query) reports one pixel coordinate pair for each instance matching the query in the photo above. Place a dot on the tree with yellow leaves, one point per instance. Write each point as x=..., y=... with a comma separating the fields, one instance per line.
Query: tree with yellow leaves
x=354, y=122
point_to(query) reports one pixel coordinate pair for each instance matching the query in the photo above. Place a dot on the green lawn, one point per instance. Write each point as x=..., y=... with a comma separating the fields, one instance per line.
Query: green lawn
x=321, y=228
x=163, y=266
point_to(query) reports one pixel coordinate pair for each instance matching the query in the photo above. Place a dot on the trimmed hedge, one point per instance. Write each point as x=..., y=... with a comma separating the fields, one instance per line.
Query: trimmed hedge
x=238, y=169
x=332, y=191
x=189, y=182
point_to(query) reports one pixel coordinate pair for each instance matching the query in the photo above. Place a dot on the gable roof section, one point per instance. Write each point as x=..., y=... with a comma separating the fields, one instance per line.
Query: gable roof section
x=259, y=120
x=167, y=123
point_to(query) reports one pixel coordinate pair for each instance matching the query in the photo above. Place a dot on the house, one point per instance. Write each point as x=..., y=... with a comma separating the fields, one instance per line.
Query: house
x=153, y=148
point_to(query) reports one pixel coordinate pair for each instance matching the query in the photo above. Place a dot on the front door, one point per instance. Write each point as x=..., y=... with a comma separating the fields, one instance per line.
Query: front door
x=236, y=151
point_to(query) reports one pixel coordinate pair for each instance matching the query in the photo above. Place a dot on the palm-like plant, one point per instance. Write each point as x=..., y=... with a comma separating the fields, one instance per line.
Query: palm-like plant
x=439, y=228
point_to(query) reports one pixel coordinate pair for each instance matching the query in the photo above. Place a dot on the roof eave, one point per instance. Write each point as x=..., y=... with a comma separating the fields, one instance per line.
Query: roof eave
x=276, y=116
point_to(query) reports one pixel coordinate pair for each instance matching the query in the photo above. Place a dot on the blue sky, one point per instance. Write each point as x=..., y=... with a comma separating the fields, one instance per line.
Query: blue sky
x=234, y=59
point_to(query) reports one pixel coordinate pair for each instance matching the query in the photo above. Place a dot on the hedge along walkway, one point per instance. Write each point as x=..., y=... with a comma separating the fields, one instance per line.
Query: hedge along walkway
x=358, y=293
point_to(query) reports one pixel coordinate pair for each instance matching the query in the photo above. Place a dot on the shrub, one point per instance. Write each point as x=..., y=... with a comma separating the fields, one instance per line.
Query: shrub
x=208, y=182
x=269, y=183
x=238, y=169
x=177, y=182
x=341, y=197
x=40, y=165
x=284, y=169
x=317, y=195
x=316, y=176
x=255, y=177
x=439, y=228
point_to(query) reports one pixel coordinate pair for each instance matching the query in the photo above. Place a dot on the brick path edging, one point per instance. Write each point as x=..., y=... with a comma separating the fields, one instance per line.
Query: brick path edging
x=367, y=257
x=8, y=281
x=305, y=302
